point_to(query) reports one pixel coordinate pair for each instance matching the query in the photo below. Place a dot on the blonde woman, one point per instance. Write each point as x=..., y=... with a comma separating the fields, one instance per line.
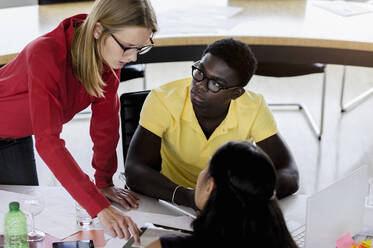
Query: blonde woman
x=56, y=76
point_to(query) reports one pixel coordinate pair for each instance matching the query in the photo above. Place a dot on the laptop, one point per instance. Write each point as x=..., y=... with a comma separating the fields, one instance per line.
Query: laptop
x=330, y=213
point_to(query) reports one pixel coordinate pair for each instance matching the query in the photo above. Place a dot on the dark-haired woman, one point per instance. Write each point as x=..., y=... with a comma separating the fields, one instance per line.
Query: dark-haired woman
x=236, y=195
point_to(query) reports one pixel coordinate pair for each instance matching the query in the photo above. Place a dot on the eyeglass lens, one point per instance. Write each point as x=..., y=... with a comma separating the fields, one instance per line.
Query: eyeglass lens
x=199, y=76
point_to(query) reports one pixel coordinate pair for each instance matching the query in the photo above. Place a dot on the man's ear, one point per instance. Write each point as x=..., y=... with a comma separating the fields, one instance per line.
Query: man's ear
x=237, y=93
x=97, y=30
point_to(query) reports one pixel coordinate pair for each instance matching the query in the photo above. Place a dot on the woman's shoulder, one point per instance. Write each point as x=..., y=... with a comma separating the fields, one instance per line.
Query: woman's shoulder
x=44, y=47
x=55, y=43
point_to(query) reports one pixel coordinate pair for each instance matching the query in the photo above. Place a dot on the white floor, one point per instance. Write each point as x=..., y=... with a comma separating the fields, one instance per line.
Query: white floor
x=346, y=144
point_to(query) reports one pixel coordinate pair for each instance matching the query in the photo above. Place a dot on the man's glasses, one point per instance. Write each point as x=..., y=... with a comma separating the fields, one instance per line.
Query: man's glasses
x=212, y=84
x=140, y=50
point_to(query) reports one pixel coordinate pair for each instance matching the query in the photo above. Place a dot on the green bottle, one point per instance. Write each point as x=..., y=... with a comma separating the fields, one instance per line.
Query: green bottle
x=15, y=231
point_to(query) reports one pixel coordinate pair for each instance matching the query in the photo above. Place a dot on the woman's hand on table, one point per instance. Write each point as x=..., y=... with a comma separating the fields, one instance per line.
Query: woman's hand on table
x=122, y=196
x=118, y=224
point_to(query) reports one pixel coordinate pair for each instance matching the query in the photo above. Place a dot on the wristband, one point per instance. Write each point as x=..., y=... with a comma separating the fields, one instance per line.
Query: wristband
x=173, y=194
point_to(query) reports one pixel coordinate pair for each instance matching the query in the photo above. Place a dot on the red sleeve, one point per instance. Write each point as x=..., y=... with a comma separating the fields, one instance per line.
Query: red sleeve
x=104, y=132
x=45, y=74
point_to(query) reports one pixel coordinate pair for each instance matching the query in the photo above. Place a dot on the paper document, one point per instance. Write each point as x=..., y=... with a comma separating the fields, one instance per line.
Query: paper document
x=179, y=209
x=198, y=19
x=343, y=8
x=140, y=218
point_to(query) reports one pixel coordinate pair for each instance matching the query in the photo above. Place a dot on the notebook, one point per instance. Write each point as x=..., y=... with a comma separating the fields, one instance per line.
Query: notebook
x=331, y=212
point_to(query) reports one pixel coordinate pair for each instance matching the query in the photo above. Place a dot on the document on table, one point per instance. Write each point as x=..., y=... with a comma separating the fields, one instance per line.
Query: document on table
x=198, y=19
x=343, y=8
x=140, y=218
x=152, y=232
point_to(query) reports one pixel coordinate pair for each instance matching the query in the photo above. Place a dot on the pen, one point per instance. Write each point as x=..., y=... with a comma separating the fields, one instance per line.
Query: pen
x=173, y=228
x=176, y=208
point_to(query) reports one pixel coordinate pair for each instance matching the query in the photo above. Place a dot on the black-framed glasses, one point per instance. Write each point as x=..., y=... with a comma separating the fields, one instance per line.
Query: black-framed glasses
x=140, y=50
x=213, y=85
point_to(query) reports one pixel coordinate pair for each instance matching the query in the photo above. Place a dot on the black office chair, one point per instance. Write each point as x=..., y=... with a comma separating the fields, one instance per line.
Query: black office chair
x=291, y=70
x=130, y=108
x=129, y=72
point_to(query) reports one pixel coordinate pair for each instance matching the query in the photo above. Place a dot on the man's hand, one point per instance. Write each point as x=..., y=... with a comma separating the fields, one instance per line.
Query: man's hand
x=118, y=224
x=122, y=196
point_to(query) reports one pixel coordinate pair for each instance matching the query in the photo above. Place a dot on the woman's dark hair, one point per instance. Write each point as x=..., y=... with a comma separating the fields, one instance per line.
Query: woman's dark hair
x=242, y=210
x=237, y=55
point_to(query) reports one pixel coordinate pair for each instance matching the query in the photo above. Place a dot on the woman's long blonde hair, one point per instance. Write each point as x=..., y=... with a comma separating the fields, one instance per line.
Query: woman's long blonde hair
x=87, y=61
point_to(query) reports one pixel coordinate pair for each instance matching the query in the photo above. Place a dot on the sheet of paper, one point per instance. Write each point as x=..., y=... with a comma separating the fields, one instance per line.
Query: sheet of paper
x=198, y=19
x=151, y=234
x=140, y=218
x=343, y=8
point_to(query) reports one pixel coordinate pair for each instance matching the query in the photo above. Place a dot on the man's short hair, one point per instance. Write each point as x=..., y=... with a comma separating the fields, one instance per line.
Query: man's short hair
x=237, y=55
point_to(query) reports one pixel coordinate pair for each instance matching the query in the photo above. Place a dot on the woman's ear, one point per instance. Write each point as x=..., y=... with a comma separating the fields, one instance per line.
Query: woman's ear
x=237, y=93
x=210, y=185
x=97, y=30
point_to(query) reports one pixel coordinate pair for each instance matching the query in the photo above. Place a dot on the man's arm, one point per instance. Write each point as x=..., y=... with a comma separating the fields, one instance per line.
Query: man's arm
x=287, y=171
x=143, y=166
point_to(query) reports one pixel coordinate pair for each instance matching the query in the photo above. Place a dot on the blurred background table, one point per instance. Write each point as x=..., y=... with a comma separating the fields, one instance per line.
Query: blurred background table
x=302, y=31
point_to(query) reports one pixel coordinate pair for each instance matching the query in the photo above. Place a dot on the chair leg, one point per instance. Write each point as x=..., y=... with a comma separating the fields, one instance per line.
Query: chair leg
x=342, y=89
x=322, y=111
x=144, y=78
x=317, y=130
x=354, y=102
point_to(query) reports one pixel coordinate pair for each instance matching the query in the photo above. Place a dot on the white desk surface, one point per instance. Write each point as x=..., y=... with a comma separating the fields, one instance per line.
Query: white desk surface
x=58, y=216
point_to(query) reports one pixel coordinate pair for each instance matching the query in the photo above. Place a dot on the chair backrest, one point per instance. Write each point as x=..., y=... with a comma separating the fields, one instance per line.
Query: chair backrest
x=130, y=108
x=129, y=72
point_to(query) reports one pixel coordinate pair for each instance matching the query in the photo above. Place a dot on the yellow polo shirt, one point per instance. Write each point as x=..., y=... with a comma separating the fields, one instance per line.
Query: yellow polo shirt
x=185, y=151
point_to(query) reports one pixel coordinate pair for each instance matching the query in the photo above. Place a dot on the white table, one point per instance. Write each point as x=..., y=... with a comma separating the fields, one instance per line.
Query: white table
x=58, y=216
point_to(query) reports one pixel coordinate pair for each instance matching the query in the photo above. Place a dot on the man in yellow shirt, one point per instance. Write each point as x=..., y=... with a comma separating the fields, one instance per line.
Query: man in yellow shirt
x=184, y=122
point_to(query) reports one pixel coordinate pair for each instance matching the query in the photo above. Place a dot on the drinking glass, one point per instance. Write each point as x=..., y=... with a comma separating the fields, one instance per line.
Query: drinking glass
x=83, y=219
x=33, y=205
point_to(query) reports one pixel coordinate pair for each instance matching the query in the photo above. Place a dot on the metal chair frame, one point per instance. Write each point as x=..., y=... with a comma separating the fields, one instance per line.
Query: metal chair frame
x=354, y=102
x=316, y=129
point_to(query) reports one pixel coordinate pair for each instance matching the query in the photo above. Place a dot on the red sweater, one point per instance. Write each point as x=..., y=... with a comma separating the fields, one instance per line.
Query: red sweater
x=39, y=93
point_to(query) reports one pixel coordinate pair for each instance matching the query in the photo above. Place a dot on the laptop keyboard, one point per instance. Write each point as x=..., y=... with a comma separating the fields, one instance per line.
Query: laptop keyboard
x=298, y=235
